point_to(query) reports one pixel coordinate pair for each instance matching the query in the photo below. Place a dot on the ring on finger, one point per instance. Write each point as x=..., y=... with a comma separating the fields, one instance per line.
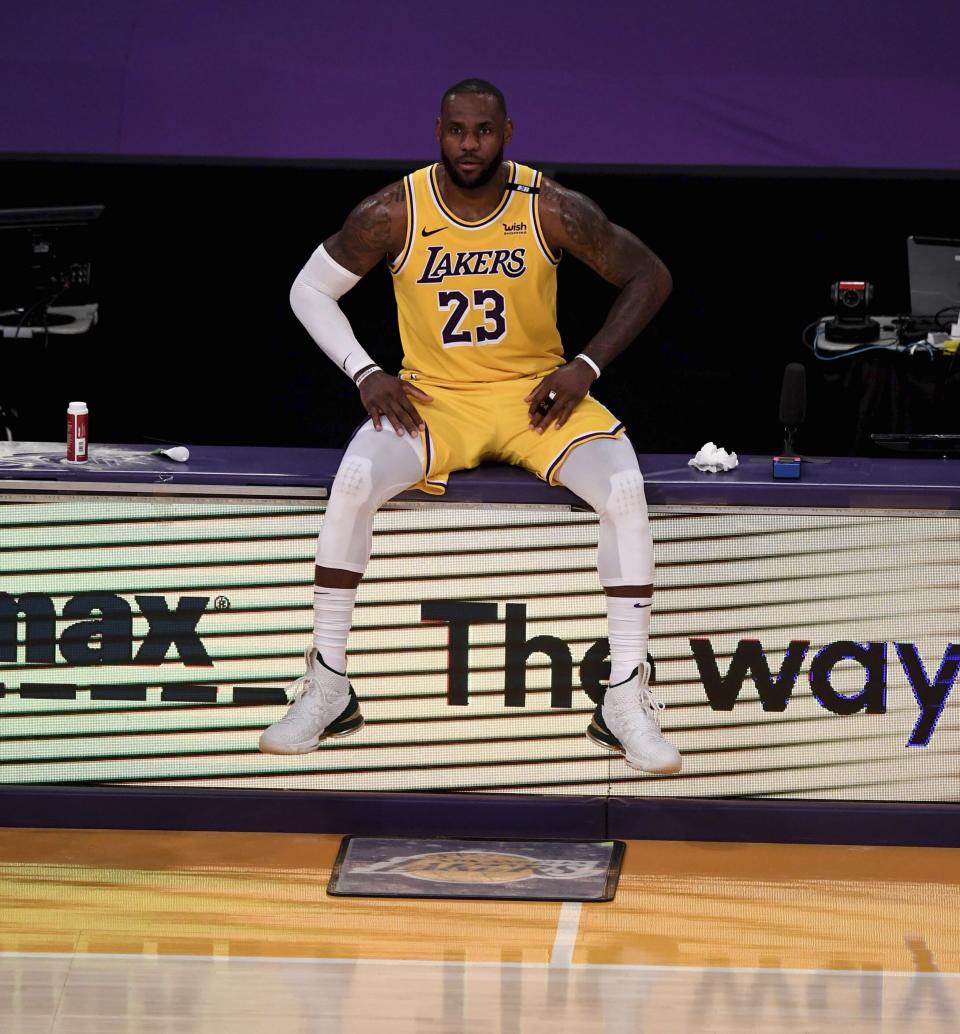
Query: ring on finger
x=546, y=402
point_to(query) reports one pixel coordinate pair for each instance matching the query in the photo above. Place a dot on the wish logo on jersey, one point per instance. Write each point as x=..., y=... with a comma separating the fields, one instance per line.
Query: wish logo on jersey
x=442, y=263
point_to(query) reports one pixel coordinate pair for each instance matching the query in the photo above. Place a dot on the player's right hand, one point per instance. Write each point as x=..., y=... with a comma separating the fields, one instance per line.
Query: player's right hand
x=386, y=396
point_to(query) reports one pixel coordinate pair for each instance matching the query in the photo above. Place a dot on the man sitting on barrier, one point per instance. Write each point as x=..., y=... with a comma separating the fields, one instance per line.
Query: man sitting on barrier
x=473, y=243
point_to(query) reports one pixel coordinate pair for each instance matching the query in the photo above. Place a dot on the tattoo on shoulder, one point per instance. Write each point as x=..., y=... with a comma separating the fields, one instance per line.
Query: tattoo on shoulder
x=576, y=218
x=371, y=230
x=582, y=219
x=395, y=194
x=582, y=228
x=368, y=225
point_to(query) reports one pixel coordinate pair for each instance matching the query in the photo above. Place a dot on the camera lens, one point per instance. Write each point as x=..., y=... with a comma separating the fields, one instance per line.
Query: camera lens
x=850, y=298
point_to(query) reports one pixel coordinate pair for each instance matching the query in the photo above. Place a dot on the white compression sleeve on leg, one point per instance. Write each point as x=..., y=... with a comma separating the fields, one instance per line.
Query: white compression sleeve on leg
x=375, y=467
x=605, y=473
x=313, y=299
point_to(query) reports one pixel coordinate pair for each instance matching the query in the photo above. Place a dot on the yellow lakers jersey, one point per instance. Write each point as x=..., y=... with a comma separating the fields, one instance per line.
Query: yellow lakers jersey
x=476, y=301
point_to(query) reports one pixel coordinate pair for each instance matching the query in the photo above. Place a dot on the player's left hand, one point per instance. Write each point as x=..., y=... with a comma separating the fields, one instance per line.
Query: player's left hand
x=558, y=394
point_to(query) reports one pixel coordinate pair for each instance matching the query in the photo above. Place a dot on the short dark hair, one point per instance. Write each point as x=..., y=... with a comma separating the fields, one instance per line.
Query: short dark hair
x=481, y=86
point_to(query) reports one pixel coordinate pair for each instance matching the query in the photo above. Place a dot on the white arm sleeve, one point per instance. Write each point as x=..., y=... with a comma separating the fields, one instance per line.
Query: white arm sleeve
x=313, y=299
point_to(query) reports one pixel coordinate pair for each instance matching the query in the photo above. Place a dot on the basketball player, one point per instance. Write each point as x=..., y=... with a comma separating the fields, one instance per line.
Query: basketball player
x=473, y=244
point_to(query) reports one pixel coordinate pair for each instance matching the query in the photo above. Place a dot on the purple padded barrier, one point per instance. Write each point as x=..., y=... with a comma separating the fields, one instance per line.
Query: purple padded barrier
x=785, y=822
x=494, y=815
x=822, y=83
x=304, y=811
x=842, y=482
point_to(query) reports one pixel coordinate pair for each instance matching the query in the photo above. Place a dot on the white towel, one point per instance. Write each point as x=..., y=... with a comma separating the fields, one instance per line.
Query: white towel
x=713, y=459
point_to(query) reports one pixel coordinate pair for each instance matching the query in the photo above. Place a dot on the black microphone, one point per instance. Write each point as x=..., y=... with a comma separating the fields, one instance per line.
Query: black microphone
x=793, y=403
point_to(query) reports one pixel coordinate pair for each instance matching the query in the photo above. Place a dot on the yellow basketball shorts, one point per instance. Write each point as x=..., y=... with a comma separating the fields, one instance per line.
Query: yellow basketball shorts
x=467, y=424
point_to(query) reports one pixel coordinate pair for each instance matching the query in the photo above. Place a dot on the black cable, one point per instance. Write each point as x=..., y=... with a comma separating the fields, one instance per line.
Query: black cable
x=812, y=345
x=944, y=326
x=26, y=312
x=45, y=302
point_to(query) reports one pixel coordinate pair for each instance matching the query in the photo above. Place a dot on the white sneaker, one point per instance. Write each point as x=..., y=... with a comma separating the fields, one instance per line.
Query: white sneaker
x=323, y=704
x=629, y=724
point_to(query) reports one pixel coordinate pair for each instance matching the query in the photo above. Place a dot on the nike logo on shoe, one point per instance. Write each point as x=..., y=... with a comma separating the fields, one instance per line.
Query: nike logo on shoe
x=424, y=232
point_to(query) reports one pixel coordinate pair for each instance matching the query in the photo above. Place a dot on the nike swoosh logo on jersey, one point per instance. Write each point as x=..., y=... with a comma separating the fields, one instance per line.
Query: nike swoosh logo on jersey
x=424, y=232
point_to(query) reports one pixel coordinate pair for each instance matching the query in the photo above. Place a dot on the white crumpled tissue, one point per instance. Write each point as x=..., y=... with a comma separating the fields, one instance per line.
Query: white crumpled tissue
x=713, y=459
x=179, y=453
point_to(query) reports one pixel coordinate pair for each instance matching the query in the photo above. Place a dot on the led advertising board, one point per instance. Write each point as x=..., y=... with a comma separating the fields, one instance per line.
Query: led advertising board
x=147, y=640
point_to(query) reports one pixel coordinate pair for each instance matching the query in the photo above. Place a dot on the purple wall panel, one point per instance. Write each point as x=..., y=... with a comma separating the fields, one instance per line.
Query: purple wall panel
x=845, y=82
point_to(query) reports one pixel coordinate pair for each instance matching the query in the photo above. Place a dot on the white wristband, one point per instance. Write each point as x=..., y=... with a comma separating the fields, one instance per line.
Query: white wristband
x=366, y=373
x=589, y=362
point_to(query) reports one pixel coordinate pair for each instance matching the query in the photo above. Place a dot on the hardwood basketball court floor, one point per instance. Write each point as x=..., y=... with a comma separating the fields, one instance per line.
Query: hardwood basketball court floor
x=105, y=931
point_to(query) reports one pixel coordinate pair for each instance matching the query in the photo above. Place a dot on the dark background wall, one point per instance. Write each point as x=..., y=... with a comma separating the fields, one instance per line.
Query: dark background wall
x=197, y=344
x=763, y=150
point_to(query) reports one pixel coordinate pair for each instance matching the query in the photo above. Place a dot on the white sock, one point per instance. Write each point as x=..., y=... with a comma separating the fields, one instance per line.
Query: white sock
x=332, y=615
x=628, y=622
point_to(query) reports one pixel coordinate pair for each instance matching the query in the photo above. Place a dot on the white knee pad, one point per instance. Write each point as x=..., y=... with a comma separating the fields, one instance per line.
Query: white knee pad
x=376, y=466
x=625, y=546
x=353, y=483
x=626, y=494
x=605, y=473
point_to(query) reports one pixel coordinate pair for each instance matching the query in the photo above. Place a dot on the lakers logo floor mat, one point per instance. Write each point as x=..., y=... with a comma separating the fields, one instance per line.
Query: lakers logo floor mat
x=516, y=870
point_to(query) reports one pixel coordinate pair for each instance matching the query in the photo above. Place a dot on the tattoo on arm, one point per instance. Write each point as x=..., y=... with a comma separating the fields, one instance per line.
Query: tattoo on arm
x=576, y=224
x=374, y=229
x=583, y=230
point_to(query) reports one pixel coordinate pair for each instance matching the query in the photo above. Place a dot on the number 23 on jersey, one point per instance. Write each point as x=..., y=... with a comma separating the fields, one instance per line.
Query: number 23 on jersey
x=489, y=304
